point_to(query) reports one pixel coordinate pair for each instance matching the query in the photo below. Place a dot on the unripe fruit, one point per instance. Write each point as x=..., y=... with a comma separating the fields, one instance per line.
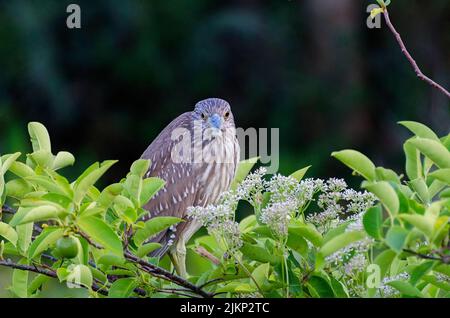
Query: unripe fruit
x=67, y=247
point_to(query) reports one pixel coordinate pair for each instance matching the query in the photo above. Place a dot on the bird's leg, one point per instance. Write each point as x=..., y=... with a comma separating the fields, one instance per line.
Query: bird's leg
x=177, y=255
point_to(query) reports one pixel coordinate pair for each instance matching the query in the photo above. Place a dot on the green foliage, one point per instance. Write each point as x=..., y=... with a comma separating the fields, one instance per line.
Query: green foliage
x=306, y=238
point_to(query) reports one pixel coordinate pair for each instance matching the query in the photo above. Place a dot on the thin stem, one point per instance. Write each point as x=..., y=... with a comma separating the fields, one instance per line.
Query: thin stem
x=286, y=270
x=248, y=273
x=410, y=58
x=444, y=260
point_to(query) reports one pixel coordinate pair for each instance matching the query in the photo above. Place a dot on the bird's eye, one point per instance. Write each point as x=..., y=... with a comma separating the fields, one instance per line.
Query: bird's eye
x=227, y=114
x=203, y=116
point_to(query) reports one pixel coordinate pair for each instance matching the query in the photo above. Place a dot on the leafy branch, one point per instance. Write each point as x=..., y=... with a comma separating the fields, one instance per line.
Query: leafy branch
x=146, y=266
x=47, y=272
x=383, y=9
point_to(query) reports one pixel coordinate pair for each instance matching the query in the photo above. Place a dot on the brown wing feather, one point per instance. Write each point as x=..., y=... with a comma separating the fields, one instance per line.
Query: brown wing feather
x=179, y=190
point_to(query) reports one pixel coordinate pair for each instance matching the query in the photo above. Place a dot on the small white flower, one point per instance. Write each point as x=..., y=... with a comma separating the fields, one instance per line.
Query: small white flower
x=252, y=184
x=356, y=264
x=388, y=291
x=277, y=216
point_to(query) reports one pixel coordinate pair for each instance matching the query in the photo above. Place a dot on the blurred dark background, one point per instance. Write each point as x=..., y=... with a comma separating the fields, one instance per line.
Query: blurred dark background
x=311, y=68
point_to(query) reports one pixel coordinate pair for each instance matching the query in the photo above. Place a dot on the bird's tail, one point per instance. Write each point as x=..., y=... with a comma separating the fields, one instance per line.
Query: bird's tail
x=164, y=241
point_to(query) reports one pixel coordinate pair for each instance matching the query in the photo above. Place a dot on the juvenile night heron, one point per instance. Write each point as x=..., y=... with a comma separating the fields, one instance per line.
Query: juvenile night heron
x=197, y=155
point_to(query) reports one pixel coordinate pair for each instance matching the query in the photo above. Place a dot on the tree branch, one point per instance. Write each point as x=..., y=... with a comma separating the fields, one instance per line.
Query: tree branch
x=88, y=239
x=7, y=209
x=162, y=273
x=146, y=266
x=410, y=58
x=203, y=252
x=47, y=272
x=443, y=259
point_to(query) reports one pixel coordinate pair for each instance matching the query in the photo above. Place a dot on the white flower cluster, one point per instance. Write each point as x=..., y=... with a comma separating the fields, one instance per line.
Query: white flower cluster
x=229, y=231
x=387, y=291
x=355, y=265
x=287, y=197
x=277, y=216
x=339, y=205
x=442, y=277
x=219, y=220
x=210, y=215
x=307, y=189
x=253, y=184
x=344, y=254
x=281, y=188
x=358, y=202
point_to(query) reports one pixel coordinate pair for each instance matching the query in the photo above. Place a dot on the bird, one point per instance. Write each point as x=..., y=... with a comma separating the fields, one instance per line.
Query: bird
x=197, y=155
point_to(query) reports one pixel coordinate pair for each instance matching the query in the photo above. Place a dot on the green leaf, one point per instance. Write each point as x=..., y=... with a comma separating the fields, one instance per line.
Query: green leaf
x=373, y=222
x=442, y=284
x=147, y=249
x=297, y=243
x=384, y=174
x=386, y=194
x=339, y=289
x=396, y=237
x=21, y=170
x=79, y=275
x=299, y=174
x=434, y=150
x=36, y=283
x=441, y=175
x=63, y=159
x=24, y=233
x=413, y=165
x=421, y=222
x=44, y=240
x=40, y=139
x=356, y=161
x=20, y=281
x=406, y=288
x=150, y=187
x=321, y=287
x=122, y=288
x=100, y=232
x=41, y=213
x=108, y=195
x=41, y=158
x=376, y=11
x=260, y=274
x=341, y=241
x=420, y=270
x=8, y=233
x=384, y=260
x=89, y=178
x=48, y=184
x=258, y=253
x=140, y=167
x=7, y=161
x=247, y=223
x=420, y=187
x=153, y=227
x=420, y=130
x=308, y=231
x=243, y=169
x=18, y=188
x=111, y=260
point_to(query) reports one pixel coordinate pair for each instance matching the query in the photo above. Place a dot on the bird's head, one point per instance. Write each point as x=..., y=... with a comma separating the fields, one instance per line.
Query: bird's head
x=214, y=114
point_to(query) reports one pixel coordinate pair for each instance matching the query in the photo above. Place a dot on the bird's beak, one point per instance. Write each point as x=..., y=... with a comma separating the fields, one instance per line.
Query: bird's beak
x=215, y=121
